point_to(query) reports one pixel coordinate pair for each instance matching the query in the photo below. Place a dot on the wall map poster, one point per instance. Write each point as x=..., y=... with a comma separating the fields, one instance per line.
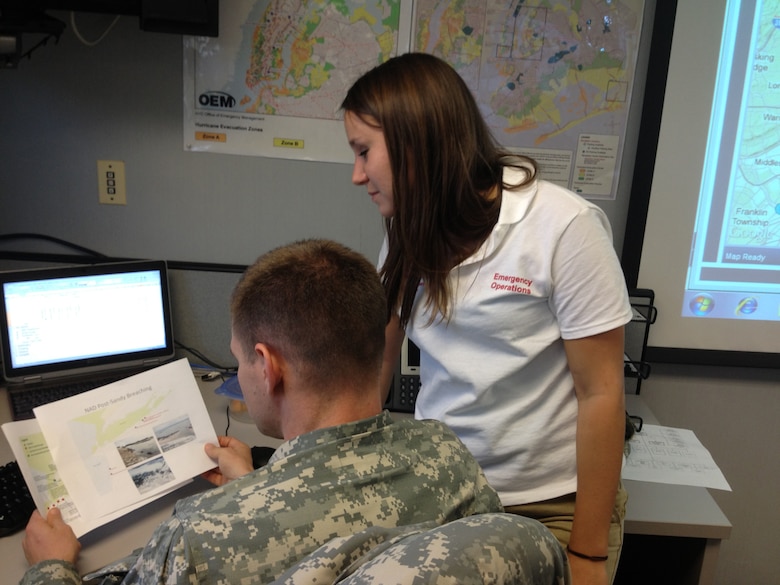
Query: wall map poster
x=553, y=78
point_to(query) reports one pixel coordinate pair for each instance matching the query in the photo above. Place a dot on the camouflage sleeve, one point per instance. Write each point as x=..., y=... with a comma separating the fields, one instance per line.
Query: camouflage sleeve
x=338, y=557
x=504, y=549
x=164, y=559
x=51, y=573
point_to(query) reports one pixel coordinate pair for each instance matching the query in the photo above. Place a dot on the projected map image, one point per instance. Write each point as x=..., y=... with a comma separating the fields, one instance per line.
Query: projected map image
x=754, y=211
x=735, y=257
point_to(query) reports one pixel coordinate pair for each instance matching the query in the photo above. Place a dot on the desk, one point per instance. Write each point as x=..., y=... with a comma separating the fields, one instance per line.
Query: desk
x=677, y=522
x=672, y=532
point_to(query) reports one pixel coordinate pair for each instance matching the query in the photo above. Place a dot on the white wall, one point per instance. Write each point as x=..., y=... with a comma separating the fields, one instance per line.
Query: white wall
x=71, y=105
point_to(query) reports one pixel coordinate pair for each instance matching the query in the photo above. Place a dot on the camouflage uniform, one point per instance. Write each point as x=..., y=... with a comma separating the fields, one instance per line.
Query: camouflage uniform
x=327, y=484
x=500, y=549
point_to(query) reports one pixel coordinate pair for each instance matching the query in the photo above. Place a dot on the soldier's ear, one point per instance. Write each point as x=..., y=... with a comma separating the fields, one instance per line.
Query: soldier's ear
x=270, y=362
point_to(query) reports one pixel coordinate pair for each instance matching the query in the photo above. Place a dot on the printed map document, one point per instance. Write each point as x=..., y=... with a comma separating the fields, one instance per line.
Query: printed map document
x=100, y=454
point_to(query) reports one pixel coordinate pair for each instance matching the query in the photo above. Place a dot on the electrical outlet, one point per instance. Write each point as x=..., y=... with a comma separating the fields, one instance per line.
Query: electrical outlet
x=111, y=182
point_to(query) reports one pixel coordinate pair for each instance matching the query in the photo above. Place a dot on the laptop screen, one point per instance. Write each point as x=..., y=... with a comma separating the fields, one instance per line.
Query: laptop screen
x=84, y=318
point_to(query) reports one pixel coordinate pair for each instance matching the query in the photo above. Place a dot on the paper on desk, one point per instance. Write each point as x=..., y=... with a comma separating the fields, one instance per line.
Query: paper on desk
x=670, y=455
x=129, y=441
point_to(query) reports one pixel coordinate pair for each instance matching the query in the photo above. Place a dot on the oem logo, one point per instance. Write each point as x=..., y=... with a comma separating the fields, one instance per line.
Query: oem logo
x=216, y=99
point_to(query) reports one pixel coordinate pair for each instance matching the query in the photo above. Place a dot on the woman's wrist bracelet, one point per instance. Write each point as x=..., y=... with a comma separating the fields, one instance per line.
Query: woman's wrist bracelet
x=595, y=559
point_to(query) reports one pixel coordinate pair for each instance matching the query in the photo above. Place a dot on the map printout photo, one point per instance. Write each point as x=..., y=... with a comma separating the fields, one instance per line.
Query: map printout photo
x=100, y=454
x=553, y=78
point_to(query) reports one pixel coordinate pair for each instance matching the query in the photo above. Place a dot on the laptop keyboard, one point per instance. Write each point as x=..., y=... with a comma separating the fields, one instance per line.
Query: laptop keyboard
x=23, y=400
x=16, y=503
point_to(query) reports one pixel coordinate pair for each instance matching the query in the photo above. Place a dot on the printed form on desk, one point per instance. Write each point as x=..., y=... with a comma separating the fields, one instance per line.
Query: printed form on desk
x=670, y=455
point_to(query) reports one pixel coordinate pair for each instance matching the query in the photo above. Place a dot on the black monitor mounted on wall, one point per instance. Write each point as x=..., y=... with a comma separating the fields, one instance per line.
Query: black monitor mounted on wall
x=27, y=23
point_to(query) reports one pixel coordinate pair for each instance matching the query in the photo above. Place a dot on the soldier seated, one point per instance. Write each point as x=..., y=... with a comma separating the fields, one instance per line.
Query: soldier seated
x=308, y=323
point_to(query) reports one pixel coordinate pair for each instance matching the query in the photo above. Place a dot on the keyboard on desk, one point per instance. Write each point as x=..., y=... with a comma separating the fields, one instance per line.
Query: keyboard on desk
x=24, y=399
x=16, y=503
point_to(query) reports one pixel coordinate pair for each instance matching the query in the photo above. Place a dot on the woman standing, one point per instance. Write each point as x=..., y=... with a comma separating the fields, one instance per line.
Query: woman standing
x=511, y=288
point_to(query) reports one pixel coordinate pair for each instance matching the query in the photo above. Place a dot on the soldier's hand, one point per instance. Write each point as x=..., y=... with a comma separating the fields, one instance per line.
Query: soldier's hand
x=49, y=538
x=233, y=458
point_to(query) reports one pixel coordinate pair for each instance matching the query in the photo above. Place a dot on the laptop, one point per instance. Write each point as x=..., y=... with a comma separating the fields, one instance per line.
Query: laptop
x=69, y=329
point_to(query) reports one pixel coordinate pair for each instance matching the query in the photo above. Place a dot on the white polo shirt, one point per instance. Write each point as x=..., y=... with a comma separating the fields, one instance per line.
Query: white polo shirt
x=496, y=372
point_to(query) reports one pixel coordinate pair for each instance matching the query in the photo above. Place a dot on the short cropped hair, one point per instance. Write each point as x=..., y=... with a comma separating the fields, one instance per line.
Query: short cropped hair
x=318, y=303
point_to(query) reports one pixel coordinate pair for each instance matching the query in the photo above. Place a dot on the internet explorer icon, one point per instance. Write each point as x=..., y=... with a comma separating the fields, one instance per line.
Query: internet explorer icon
x=746, y=306
x=702, y=304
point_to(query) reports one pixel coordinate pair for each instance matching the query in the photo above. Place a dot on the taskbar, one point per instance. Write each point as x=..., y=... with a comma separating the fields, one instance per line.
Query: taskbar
x=732, y=305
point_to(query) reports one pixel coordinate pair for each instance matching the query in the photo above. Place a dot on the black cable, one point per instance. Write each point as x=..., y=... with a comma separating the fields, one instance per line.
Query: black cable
x=207, y=361
x=636, y=421
x=34, y=236
x=39, y=44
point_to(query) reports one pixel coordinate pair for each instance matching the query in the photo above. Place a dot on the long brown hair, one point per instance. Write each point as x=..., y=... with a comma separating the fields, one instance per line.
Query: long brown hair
x=446, y=170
